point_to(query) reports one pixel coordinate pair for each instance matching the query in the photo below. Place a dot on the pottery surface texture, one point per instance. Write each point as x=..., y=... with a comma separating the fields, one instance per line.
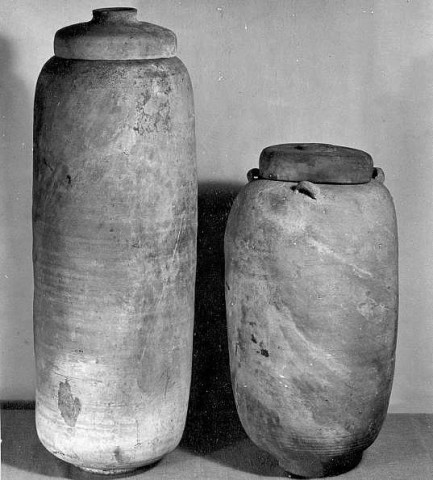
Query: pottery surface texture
x=114, y=249
x=312, y=301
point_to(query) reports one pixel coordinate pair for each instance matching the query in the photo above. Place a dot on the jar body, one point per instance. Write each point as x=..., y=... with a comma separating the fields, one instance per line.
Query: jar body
x=312, y=298
x=114, y=251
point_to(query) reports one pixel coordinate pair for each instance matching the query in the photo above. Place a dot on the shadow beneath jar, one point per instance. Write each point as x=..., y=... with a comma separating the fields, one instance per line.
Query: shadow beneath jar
x=244, y=456
x=212, y=421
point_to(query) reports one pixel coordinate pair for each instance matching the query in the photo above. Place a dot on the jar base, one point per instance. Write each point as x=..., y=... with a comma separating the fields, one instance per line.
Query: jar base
x=114, y=471
x=325, y=468
x=119, y=471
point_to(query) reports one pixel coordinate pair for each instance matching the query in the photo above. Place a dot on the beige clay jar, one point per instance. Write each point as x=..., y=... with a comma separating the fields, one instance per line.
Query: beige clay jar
x=311, y=293
x=114, y=223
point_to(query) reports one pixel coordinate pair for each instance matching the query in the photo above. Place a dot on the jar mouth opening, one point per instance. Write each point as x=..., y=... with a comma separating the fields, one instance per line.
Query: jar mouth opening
x=115, y=9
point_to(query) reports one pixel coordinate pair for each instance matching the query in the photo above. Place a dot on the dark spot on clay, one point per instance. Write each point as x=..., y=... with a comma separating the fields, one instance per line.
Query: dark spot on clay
x=57, y=452
x=118, y=455
x=69, y=406
x=136, y=244
x=244, y=313
x=264, y=352
x=252, y=323
x=145, y=97
x=79, y=350
x=227, y=286
x=44, y=161
x=69, y=179
x=299, y=147
x=253, y=338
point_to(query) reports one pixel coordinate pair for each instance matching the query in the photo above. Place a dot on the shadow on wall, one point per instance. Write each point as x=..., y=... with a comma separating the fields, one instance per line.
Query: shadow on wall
x=212, y=421
x=213, y=428
x=16, y=281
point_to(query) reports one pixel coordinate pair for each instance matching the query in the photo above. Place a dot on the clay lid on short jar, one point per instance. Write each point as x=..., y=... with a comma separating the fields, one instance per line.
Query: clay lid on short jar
x=114, y=34
x=315, y=162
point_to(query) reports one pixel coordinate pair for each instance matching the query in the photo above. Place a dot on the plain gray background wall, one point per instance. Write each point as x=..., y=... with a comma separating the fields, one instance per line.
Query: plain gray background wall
x=357, y=73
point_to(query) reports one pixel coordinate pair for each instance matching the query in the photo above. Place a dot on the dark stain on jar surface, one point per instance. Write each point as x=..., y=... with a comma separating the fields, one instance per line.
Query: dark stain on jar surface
x=69, y=406
x=121, y=457
x=118, y=455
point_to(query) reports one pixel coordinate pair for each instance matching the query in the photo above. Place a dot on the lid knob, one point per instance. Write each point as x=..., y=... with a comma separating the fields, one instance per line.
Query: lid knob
x=115, y=14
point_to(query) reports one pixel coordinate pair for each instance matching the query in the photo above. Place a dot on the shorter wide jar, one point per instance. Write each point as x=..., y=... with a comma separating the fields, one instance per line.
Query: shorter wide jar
x=312, y=300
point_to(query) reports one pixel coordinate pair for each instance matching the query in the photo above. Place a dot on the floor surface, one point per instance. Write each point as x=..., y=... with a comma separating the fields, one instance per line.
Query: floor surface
x=403, y=450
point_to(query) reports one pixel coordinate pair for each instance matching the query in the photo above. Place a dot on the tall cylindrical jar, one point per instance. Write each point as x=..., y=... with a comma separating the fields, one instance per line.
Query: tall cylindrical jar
x=114, y=243
x=311, y=293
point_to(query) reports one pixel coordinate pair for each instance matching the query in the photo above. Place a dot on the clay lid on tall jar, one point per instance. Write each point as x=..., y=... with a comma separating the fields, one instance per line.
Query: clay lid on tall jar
x=114, y=34
x=315, y=162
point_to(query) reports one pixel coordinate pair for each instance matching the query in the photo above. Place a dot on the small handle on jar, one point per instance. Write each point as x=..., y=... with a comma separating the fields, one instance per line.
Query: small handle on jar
x=378, y=175
x=253, y=174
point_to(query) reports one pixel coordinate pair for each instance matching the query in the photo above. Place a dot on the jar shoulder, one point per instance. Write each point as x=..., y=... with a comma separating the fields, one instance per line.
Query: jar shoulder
x=273, y=202
x=266, y=194
x=99, y=74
